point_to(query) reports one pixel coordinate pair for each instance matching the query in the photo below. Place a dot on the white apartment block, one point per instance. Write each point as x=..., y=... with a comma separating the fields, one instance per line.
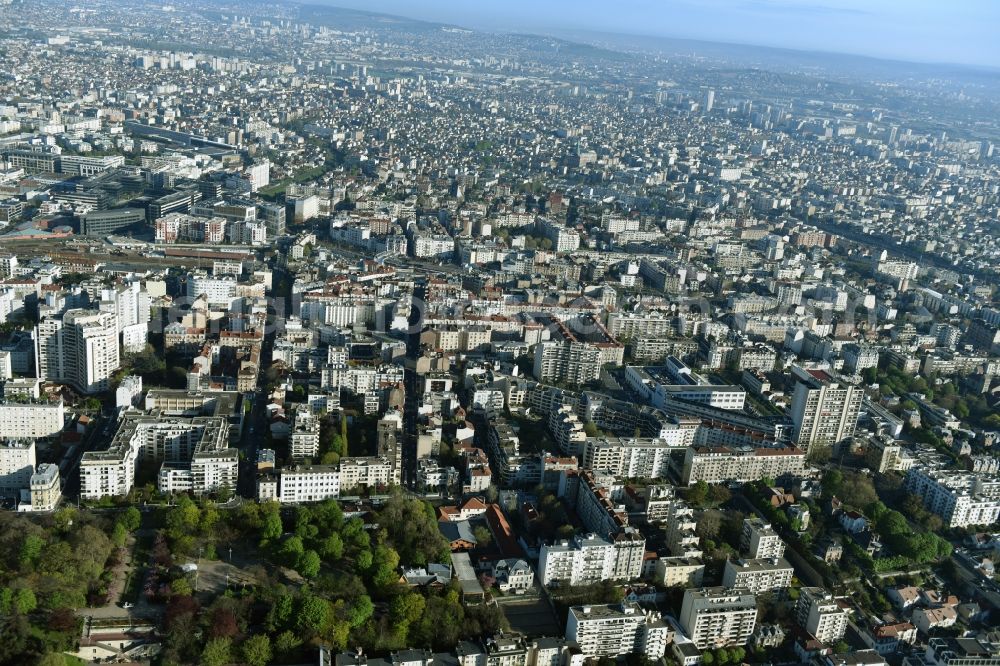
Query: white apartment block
x=590, y=559
x=308, y=483
x=760, y=576
x=632, y=457
x=194, y=452
x=303, y=440
x=740, y=463
x=959, y=498
x=714, y=617
x=218, y=290
x=566, y=362
x=823, y=412
x=17, y=465
x=80, y=348
x=368, y=472
x=34, y=419
x=759, y=540
x=617, y=629
x=819, y=614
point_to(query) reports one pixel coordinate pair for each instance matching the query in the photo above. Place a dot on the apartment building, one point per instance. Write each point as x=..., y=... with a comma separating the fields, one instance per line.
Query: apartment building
x=308, y=483
x=303, y=439
x=614, y=630
x=714, y=617
x=31, y=419
x=567, y=362
x=17, y=465
x=740, y=463
x=79, y=348
x=759, y=540
x=823, y=411
x=589, y=559
x=194, y=453
x=759, y=575
x=818, y=613
x=633, y=457
x=44, y=488
x=959, y=498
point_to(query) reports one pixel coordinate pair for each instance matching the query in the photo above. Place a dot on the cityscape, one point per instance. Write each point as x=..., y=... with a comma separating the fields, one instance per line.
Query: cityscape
x=338, y=337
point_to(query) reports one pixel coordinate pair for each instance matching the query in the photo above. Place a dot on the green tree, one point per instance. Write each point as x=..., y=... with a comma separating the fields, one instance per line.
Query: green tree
x=360, y=611
x=309, y=564
x=332, y=547
x=31, y=548
x=483, y=535
x=698, y=493
x=314, y=614
x=257, y=650
x=291, y=551
x=281, y=611
x=119, y=535
x=183, y=518
x=271, y=527
x=24, y=601
x=286, y=642
x=131, y=518
x=217, y=652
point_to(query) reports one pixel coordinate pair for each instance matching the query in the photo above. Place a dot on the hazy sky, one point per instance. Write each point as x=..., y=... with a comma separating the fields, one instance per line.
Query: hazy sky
x=961, y=31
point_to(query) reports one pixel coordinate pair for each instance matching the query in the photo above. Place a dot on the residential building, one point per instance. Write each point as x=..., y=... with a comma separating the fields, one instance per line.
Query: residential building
x=44, y=488
x=714, y=617
x=824, y=412
x=617, y=629
x=759, y=575
x=818, y=613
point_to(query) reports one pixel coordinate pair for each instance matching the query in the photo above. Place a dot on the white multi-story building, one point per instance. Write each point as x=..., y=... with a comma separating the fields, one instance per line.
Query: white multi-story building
x=218, y=290
x=368, y=472
x=616, y=630
x=589, y=559
x=36, y=419
x=858, y=358
x=760, y=576
x=823, y=412
x=567, y=362
x=79, y=348
x=633, y=457
x=433, y=246
x=759, y=540
x=308, y=483
x=714, y=617
x=194, y=451
x=17, y=464
x=303, y=440
x=742, y=464
x=959, y=498
x=819, y=613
